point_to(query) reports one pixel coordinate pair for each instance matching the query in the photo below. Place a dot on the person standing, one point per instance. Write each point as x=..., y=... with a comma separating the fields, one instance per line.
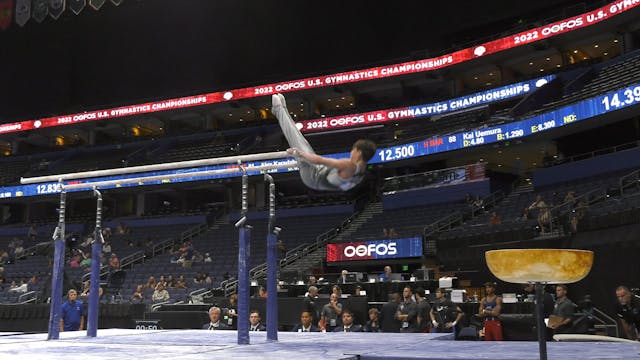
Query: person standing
x=490, y=308
x=388, y=320
x=407, y=311
x=628, y=312
x=444, y=314
x=331, y=314
x=561, y=316
x=73, y=313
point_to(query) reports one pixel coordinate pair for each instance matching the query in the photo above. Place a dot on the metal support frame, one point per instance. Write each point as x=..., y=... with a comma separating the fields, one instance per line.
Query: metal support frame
x=244, y=255
x=542, y=333
x=96, y=250
x=57, y=272
x=272, y=264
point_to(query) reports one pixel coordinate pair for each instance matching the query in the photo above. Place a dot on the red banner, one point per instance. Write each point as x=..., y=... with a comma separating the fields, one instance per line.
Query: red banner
x=411, y=67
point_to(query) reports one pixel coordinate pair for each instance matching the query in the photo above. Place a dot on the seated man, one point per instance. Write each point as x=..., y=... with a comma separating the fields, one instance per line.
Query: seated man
x=318, y=172
x=306, y=324
x=347, y=323
x=215, y=323
x=373, y=325
x=254, y=320
x=386, y=276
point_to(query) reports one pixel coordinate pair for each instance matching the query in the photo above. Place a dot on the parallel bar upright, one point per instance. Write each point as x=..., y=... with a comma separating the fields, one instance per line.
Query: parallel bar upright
x=272, y=265
x=57, y=272
x=96, y=250
x=244, y=253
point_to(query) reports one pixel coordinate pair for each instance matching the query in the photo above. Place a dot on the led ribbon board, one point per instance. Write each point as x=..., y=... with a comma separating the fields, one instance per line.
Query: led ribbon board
x=417, y=111
x=599, y=105
x=411, y=67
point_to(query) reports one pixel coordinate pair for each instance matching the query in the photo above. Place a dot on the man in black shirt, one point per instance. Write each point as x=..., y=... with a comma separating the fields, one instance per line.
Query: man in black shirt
x=628, y=312
x=388, y=320
x=423, y=323
x=444, y=314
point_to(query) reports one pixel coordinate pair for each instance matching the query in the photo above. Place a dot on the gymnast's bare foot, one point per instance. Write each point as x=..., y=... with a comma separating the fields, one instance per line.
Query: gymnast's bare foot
x=278, y=100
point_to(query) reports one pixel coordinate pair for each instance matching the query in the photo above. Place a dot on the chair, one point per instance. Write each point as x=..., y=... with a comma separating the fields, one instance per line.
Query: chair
x=114, y=285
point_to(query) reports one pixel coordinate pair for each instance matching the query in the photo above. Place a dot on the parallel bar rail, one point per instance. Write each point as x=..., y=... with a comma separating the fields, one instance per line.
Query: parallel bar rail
x=156, y=167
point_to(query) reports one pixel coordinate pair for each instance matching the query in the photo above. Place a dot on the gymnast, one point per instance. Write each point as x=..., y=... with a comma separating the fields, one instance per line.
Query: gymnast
x=319, y=172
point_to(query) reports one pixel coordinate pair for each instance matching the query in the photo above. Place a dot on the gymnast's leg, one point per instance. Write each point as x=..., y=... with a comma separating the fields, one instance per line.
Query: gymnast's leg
x=310, y=174
x=291, y=133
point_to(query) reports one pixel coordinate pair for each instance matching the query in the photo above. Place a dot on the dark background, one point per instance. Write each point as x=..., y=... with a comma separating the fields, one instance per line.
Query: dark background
x=166, y=48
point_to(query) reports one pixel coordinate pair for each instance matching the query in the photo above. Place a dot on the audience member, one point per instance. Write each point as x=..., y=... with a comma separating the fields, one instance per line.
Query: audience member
x=233, y=307
x=214, y=320
x=306, y=323
x=114, y=262
x=72, y=313
x=343, y=277
x=373, y=325
x=560, y=319
x=171, y=282
x=388, y=320
x=254, y=321
x=151, y=283
x=544, y=213
x=22, y=288
x=529, y=294
x=86, y=287
x=490, y=307
x=386, y=275
x=138, y=296
x=282, y=249
x=160, y=294
x=347, y=323
x=468, y=198
x=181, y=283
x=207, y=258
x=309, y=303
x=628, y=312
x=478, y=203
x=422, y=324
x=407, y=311
x=444, y=314
x=495, y=219
x=330, y=316
x=32, y=233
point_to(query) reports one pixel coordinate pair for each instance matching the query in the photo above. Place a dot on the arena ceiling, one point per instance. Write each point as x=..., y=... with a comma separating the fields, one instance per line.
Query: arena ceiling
x=159, y=49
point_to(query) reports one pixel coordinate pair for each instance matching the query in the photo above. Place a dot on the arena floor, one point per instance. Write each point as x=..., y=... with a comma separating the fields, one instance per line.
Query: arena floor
x=201, y=344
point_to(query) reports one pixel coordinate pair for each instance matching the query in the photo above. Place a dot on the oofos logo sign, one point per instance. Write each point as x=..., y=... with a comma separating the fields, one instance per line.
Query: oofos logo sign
x=367, y=250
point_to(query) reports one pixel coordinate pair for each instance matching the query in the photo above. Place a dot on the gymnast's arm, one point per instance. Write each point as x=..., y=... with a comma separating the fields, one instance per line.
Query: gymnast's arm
x=339, y=164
